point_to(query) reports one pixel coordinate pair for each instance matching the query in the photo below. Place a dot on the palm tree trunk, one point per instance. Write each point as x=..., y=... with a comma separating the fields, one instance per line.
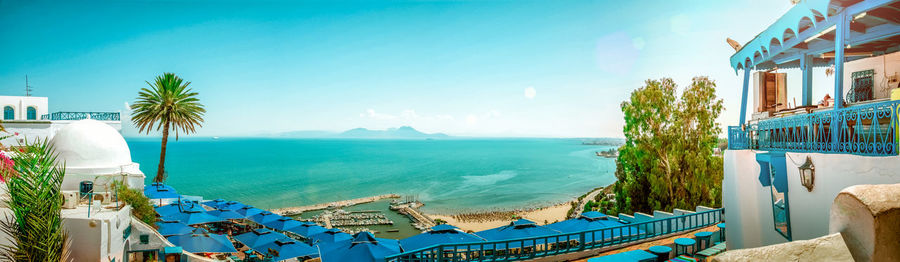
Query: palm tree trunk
x=162, y=153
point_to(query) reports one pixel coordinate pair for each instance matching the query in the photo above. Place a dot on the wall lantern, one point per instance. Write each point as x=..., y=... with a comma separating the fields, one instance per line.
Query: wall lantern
x=807, y=174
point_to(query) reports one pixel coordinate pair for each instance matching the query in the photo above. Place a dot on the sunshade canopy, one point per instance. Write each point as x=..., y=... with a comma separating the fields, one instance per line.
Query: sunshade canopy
x=440, y=234
x=364, y=247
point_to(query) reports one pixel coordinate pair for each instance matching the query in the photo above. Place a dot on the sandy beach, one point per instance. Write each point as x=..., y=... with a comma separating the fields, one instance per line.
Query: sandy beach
x=549, y=214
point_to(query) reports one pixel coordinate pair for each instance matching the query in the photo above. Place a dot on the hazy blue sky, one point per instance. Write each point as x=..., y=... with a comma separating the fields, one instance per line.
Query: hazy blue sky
x=485, y=68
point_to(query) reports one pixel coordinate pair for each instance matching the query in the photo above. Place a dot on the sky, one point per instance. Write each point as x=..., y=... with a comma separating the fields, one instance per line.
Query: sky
x=467, y=68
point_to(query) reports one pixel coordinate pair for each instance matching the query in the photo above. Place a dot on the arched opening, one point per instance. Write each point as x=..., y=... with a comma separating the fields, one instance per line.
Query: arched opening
x=9, y=113
x=31, y=113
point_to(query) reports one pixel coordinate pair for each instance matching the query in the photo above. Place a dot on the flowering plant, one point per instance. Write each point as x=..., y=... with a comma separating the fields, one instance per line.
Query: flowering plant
x=7, y=166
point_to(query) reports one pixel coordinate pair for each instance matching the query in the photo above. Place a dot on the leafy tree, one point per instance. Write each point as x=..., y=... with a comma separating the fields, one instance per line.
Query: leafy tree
x=167, y=104
x=667, y=160
x=140, y=204
x=35, y=227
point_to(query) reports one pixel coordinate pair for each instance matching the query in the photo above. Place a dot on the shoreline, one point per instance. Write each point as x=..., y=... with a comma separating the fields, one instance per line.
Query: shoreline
x=469, y=221
x=289, y=211
x=480, y=221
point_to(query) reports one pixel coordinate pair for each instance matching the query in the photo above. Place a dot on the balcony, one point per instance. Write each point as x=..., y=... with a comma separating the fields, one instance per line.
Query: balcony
x=100, y=116
x=868, y=129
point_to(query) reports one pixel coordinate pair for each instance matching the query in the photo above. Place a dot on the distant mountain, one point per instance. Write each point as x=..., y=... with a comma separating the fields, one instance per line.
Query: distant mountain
x=404, y=132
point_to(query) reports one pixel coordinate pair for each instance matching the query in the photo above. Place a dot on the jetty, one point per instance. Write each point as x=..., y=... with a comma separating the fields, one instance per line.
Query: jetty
x=410, y=208
x=290, y=211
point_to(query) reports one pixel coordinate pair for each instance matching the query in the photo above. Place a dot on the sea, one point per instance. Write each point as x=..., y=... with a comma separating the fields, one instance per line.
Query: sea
x=448, y=175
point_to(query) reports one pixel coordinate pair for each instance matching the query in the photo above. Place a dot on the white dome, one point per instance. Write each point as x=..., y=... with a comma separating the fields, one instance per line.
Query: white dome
x=91, y=144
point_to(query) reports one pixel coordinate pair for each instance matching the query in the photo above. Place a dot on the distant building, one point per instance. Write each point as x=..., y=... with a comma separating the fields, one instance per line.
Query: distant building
x=29, y=117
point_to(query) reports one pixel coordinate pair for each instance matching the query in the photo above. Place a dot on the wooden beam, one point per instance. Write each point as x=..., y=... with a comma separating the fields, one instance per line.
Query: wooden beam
x=888, y=15
x=858, y=27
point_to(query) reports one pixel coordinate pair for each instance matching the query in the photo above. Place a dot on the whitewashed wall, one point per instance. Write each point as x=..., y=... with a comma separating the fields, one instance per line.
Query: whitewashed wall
x=885, y=66
x=748, y=205
x=21, y=104
x=834, y=172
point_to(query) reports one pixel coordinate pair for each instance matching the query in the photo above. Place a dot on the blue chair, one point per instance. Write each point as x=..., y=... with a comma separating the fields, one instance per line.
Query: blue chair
x=661, y=252
x=703, y=239
x=682, y=244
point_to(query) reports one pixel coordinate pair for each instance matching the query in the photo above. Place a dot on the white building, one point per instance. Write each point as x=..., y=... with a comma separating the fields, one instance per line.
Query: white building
x=29, y=117
x=98, y=226
x=787, y=164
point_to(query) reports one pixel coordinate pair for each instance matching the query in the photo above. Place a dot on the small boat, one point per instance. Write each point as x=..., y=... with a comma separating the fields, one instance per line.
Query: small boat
x=393, y=230
x=215, y=138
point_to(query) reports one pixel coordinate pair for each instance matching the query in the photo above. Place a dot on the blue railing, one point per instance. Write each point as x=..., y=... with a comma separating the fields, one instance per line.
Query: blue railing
x=737, y=138
x=102, y=116
x=534, y=247
x=868, y=129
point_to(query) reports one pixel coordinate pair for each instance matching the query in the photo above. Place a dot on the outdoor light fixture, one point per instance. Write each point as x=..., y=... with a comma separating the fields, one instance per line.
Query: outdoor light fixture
x=808, y=174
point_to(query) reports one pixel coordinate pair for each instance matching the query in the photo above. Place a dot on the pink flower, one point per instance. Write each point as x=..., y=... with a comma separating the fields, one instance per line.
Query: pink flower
x=6, y=166
x=17, y=133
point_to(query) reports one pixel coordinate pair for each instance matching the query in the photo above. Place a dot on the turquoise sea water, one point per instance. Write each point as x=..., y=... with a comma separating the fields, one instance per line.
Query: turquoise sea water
x=448, y=175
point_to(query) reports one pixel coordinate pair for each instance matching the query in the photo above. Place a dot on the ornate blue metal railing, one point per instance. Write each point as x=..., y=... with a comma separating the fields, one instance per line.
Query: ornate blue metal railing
x=737, y=138
x=867, y=129
x=534, y=247
x=101, y=116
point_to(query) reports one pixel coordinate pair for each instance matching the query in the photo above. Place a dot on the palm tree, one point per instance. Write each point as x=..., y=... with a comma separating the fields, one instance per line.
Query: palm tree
x=35, y=228
x=167, y=104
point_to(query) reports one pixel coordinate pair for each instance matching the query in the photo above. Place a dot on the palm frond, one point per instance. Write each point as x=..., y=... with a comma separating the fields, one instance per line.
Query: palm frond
x=35, y=199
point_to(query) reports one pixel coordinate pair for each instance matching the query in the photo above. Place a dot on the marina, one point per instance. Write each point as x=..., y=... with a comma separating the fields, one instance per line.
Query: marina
x=402, y=226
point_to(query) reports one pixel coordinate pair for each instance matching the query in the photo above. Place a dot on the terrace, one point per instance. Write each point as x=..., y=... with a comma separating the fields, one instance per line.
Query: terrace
x=860, y=39
x=100, y=116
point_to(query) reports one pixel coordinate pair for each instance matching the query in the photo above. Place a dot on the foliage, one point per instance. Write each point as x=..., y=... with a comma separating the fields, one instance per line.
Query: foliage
x=140, y=204
x=667, y=161
x=35, y=199
x=167, y=104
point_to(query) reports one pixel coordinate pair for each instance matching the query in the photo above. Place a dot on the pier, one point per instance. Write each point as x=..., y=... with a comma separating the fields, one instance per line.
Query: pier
x=411, y=209
x=289, y=211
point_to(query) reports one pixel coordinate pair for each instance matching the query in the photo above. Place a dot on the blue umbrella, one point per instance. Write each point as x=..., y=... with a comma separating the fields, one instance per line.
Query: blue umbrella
x=171, y=228
x=363, y=247
x=159, y=191
x=203, y=243
x=194, y=217
x=283, y=224
x=329, y=236
x=259, y=237
x=231, y=205
x=440, y=234
x=214, y=203
x=308, y=229
x=522, y=228
x=226, y=214
x=287, y=248
x=264, y=217
x=593, y=221
x=178, y=207
x=249, y=211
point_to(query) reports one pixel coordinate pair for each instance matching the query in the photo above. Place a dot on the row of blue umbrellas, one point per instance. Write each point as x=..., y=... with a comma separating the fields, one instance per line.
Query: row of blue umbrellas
x=200, y=241
x=334, y=244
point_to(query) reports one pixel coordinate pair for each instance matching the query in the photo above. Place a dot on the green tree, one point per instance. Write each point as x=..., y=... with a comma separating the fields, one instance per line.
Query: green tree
x=35, y=228
x=667, y=160
x=167, y=104
x=141, y=207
